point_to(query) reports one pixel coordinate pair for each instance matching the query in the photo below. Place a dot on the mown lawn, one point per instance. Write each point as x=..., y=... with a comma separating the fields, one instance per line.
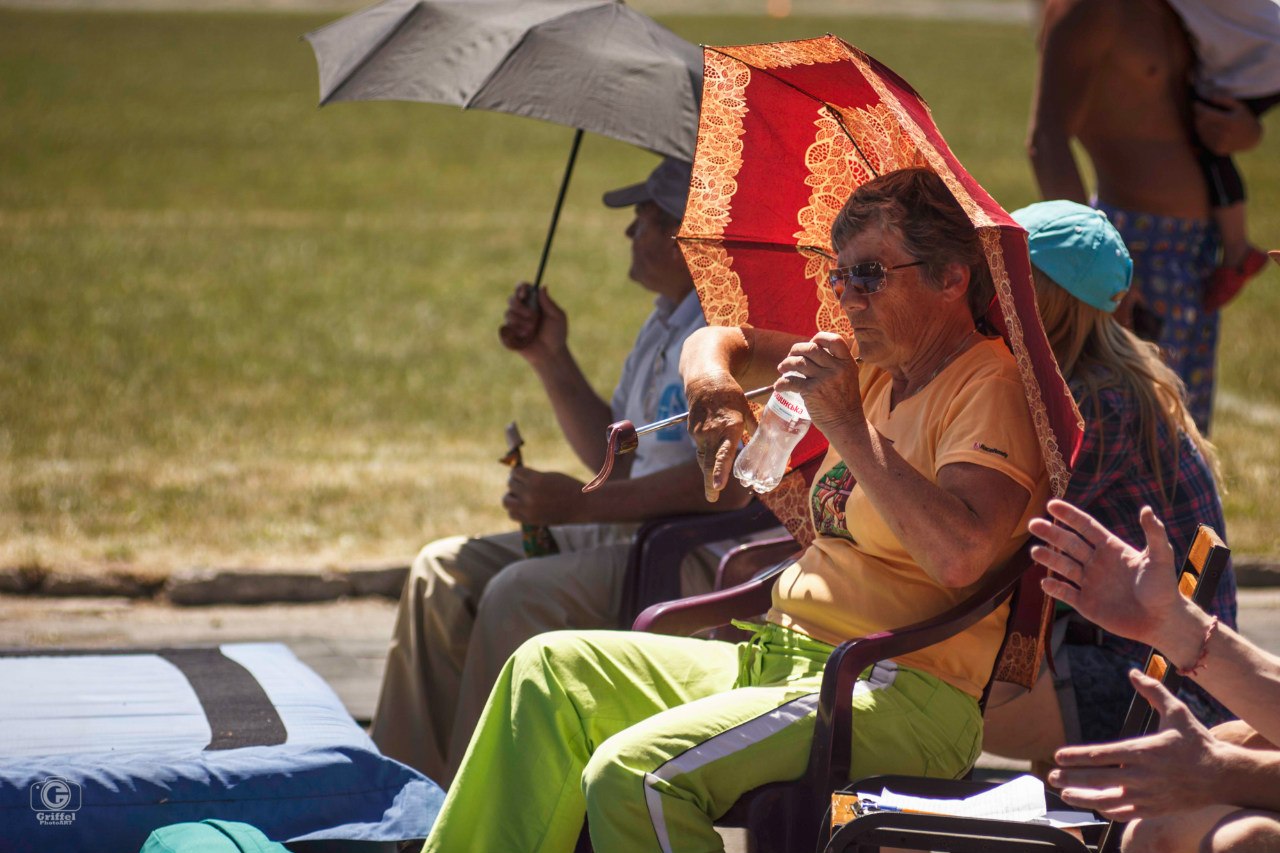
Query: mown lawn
x=236, y=329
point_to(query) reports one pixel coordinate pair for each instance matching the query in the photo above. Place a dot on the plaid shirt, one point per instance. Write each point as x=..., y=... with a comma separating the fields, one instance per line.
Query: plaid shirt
x=1113, y=481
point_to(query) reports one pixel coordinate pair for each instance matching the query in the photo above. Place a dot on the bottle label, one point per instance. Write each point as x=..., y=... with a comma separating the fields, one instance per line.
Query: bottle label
x=786, y=409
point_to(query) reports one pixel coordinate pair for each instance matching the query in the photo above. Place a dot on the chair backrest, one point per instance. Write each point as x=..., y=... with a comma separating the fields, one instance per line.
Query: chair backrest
x=833, y=743
x=661, y=544
x=747, y=561
x=1198, y=581
x=697, y=614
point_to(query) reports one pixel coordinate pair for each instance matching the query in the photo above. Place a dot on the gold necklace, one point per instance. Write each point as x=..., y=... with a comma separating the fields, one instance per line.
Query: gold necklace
x=955, y=352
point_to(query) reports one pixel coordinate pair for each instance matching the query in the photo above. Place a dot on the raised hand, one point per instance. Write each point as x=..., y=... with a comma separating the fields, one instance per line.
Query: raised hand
x=824, y=372
x=1144, y=777
x=537, y=331
x=1125, y=591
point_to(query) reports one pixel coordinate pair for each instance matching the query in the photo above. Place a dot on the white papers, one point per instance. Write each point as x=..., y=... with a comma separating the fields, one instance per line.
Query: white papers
x=1020, y=799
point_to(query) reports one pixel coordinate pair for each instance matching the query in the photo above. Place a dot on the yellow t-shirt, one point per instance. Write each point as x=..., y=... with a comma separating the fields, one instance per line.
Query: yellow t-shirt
x=857, y=578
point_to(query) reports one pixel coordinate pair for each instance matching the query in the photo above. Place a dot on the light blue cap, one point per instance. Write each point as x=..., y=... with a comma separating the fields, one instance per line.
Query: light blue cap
x=1078, y=248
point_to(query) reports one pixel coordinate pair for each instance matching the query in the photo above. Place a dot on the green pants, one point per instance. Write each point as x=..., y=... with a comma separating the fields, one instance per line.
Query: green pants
x=653, y=737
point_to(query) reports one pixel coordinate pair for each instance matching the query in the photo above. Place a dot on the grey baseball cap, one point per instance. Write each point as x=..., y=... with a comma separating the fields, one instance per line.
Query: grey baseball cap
x=667, y=186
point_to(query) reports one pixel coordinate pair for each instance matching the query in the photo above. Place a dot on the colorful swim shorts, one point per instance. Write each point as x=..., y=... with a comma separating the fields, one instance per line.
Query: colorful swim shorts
x=1173, y=260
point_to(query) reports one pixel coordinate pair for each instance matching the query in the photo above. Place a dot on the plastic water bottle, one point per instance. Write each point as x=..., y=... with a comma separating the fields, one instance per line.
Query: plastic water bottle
x=763, y=461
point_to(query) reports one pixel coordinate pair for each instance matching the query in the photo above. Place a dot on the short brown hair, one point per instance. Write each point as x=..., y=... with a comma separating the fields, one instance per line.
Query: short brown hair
x=917, y=206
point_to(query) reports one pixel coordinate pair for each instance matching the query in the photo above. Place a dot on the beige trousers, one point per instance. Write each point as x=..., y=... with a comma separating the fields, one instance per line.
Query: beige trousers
x=467, y=605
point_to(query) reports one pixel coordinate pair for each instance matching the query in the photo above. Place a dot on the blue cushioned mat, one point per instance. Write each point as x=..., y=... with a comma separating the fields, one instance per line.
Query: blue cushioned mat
x=99, y=749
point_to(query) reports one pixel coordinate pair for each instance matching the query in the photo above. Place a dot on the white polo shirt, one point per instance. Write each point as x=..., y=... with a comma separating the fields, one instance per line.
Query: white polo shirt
x=650, y=387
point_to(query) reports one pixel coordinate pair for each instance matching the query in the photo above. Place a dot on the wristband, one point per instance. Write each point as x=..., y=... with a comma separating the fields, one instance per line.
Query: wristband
x=1195, y=668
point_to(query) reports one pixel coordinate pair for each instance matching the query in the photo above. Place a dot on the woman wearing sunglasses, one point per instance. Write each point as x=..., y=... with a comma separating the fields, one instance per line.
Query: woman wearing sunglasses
x=933, y=474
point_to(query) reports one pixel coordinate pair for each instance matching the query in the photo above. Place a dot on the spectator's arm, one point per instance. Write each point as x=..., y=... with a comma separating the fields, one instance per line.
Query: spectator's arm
x=1076, y=36
x=1134, y=594
x=583, y=415
x=541, y=497
x=1226, y=126
x=719, y=363
x=1167, y=772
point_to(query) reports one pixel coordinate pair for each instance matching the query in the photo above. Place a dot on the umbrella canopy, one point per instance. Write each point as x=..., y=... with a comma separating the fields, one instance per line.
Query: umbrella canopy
x=594, y=65
x=589, y=64
x=787, y=132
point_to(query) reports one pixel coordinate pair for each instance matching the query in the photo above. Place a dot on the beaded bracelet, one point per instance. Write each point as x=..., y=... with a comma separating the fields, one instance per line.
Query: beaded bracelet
x=1204, y=651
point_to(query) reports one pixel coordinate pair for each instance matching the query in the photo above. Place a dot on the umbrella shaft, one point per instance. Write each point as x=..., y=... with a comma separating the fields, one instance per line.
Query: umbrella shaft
x=555, y=213
x=675, y=419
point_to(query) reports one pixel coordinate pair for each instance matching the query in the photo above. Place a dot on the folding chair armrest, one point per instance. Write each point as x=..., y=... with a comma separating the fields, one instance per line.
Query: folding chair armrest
x=832, y=742
x=688, y=616
x=746, y=561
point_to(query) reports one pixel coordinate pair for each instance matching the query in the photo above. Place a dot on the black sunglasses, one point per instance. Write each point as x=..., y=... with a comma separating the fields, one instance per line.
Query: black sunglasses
x=866, y=277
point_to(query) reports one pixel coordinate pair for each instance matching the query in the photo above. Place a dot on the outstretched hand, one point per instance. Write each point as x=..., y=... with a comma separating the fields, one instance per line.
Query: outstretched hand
x=1122, y=590
x=1148, y=776
x=719, y=417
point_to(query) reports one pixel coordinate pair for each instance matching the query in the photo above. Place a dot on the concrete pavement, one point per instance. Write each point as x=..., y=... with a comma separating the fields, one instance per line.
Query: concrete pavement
x=205, y=586
x=344, y=640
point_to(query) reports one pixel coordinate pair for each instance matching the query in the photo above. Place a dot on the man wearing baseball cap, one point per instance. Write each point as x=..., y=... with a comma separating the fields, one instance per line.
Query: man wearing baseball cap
x=468, y=603
x=667, y=186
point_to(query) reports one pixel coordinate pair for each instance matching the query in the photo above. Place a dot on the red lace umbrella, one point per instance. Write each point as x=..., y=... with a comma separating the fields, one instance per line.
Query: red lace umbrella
x=787, y=132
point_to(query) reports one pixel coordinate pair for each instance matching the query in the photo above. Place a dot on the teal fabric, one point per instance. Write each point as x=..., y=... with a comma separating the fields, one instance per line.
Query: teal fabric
x=1078, y=248
x=210, y=836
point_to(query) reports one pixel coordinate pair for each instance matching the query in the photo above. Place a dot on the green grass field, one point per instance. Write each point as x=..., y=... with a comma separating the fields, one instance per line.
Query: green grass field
x=239, y=330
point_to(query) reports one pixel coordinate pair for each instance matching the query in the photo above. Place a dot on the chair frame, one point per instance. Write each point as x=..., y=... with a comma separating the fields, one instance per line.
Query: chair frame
x=945, y=833
x=805, y=801
x=660, y=546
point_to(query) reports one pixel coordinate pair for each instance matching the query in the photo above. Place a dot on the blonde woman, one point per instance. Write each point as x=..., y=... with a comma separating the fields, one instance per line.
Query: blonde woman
x=1141, y=448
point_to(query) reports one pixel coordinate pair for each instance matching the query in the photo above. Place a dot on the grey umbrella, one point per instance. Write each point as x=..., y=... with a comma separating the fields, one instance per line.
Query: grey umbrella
x=592, y=65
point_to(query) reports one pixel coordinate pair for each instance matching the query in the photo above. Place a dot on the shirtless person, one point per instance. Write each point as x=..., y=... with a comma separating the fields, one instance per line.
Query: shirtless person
x=1113, y=76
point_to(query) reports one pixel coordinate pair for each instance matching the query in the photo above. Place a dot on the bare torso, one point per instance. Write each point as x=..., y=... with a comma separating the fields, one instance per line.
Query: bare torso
x=1136, y=127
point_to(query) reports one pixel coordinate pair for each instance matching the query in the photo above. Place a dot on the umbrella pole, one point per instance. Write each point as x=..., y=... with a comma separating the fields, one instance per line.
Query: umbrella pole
x=509, y=338
x=555, y=214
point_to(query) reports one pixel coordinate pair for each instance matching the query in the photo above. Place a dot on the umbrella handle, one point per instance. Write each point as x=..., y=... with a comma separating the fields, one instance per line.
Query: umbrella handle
x=510, y=339
x=624, y=437
x=621, y=438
